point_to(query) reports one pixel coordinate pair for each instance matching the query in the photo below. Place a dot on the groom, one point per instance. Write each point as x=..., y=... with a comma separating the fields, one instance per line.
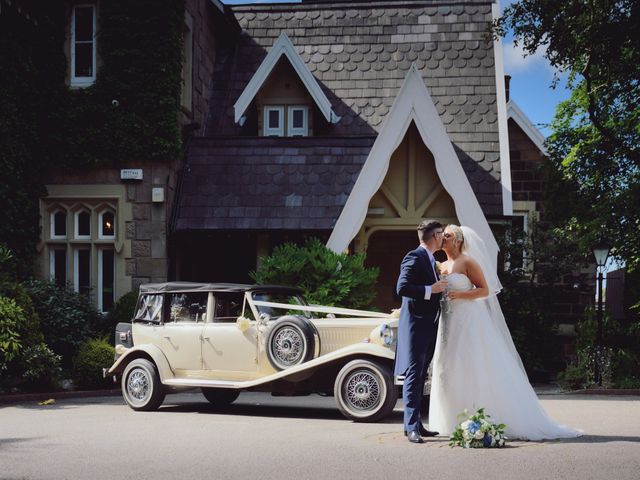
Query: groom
x=420, y=288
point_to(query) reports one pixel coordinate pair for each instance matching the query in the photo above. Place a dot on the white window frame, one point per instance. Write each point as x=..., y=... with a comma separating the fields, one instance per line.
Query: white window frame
x=74, y=80
x=76, y=267
x=76, y=225
x=52, y=262
x=52, y=224
x=273, y=132
x=302, y=131
x=100, y=221
x=100, y=277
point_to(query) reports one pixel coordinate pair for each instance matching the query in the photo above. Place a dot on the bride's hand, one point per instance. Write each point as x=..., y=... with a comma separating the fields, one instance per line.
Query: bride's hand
x=453, y=295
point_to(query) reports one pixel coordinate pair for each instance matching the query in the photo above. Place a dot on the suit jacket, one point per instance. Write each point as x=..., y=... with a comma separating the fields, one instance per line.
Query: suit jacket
x=418, y=317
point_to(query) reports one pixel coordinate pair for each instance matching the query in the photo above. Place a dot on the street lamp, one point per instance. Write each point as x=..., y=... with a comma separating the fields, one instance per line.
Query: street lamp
x=601, y=253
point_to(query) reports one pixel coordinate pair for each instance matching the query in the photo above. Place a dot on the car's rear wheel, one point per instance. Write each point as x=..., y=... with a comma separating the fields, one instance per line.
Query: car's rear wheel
x=141, y=387
x=364, y=391
x=290, y=342
x=220, y=397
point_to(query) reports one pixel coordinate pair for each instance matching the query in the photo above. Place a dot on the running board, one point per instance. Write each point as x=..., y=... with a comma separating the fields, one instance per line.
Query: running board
x=190, y=382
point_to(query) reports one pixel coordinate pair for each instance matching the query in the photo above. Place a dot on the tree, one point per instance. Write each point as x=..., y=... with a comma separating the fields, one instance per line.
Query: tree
x=595, y=144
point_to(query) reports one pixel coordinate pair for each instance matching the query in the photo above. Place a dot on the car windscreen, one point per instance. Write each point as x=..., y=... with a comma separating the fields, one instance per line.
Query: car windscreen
x=279, y=297
x=149, y=308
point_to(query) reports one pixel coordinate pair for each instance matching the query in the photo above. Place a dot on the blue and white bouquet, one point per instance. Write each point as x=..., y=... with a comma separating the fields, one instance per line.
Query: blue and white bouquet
x=476, y=431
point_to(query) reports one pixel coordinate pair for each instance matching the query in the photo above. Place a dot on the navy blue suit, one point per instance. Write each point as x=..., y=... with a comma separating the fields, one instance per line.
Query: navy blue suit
x=417, y=331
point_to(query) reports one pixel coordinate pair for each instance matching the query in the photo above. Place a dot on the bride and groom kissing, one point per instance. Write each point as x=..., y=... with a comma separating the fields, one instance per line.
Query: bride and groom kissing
x=475, y=363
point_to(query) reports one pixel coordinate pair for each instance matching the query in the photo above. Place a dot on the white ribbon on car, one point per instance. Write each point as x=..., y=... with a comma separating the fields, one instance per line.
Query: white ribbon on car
x=315, y=308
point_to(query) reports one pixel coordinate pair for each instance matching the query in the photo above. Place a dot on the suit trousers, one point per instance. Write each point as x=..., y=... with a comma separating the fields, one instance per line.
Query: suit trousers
x=413, y=387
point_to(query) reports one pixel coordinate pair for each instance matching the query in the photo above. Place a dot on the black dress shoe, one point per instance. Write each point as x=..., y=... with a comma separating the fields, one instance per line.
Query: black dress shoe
x=414, y=437
x=424, y=432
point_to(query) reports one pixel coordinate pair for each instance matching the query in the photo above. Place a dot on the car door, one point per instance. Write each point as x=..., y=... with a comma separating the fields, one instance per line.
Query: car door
x=228, y=353
x=182, y=331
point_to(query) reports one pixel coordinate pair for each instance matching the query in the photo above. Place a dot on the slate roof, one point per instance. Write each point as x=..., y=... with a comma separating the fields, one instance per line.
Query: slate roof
x=269, y=183
x=360, y=53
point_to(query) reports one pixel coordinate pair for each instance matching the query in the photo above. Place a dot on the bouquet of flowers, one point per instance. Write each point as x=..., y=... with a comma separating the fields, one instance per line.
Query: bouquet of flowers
x=477, y=432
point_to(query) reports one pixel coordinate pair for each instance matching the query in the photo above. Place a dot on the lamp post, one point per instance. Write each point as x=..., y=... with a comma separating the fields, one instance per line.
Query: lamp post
x=601, y=253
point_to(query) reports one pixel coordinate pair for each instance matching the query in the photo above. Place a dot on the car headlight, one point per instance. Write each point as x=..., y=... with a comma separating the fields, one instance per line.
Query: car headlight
x=381, y=335
x=386, y=334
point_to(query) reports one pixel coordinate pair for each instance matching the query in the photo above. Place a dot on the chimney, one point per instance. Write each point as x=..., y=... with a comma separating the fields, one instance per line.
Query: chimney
x=507, y=81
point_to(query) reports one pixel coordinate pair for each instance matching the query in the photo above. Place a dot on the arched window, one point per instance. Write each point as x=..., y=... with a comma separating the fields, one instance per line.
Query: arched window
x=58, y=225
x=83, y=225
x=107, y=225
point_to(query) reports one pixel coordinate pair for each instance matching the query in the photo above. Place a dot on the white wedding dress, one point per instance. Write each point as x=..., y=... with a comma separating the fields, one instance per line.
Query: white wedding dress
x=476, y=365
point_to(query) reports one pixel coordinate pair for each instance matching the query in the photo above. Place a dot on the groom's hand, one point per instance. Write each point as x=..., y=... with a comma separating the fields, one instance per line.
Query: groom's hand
x=439, y=287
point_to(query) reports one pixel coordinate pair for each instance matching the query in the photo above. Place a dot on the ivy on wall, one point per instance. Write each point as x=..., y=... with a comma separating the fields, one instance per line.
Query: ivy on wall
x=44, y=125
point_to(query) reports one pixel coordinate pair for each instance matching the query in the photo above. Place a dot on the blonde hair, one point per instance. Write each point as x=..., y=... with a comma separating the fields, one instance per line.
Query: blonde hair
x=457, y=232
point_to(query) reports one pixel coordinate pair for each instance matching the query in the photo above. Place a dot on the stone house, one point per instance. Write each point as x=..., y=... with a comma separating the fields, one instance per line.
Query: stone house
x=349, y=121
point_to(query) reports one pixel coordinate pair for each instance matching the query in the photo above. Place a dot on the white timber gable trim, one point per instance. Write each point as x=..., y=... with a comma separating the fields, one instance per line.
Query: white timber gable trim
x=283, y=46
x=503, y=126
x=530, y=130
x=413, y=103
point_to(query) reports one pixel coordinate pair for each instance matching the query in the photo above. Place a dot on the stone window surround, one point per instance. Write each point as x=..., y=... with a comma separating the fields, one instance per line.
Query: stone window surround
x=96, y=199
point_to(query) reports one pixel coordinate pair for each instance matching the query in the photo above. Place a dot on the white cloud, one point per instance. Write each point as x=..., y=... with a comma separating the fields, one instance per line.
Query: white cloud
x=515, y=60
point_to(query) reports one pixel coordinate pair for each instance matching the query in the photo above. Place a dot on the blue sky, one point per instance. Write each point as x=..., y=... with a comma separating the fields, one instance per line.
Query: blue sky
x=531, y=79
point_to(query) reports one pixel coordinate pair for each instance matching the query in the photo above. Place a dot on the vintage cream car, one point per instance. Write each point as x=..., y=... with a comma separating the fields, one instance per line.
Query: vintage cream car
x=228, y=338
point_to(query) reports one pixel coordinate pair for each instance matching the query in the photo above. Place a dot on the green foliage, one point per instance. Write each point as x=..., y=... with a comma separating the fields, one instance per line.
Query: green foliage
x=618, y=358
x=595, y=145
x=38, y=369
x=140, y=46
x=67, y=318
x=25, y=103
x=92, y=356
x=122, y=311
x=11, y=316
x=530, y=292
x=326, y=277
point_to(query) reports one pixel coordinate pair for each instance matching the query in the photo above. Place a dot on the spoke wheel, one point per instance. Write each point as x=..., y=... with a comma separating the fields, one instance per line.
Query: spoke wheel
x=364, y=391
x=141, y=387
x=290, y=343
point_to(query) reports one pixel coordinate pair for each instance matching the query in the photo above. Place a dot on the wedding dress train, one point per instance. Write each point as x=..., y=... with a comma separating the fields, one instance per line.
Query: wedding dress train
x=476, y=366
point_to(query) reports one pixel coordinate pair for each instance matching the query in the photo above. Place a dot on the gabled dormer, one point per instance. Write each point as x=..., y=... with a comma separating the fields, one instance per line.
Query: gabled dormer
x=283, y=94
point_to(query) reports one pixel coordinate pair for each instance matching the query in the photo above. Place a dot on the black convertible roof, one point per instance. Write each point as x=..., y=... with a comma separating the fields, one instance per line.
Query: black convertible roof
x=215, y=287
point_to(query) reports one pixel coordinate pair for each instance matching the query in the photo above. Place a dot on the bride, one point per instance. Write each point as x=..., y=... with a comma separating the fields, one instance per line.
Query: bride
x=476, y=364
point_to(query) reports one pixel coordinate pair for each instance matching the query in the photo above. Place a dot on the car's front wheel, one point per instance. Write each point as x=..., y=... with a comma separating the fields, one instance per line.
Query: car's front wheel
x=220, y=397
x=141, y=387
x=364, y=391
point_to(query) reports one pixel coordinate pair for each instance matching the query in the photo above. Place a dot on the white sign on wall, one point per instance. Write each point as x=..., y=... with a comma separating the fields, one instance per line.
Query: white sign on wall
x=131, y=174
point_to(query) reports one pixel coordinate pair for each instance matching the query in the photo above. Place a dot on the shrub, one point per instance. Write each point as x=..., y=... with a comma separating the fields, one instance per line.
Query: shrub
x=40, y=368
x=574, y=377
x=29, y=329
x=11, y=317
x=67, y=318
x=619, y=363
x=326, y=277
x=122, y=311
x=92, y=356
